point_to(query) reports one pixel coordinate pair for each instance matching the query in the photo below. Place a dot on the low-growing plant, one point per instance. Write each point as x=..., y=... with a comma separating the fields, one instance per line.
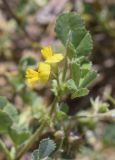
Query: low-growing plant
x=67, y=74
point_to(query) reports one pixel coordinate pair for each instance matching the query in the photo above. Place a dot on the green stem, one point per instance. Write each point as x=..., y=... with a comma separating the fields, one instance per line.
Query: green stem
x=65, y=70
x=33, y=138
x=107, y=115
x=36, y=135
x=65, y=67
x=57, y=154
x=60, y=145
x=5, y=150
x=53, y=105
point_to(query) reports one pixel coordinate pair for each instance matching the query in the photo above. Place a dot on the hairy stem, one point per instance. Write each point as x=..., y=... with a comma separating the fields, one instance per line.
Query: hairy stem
x=5, y=150
x=35, y=137
x=107, y=115
x=58, y=151
x=53, y=106
x=64, y=71
x=31, y=141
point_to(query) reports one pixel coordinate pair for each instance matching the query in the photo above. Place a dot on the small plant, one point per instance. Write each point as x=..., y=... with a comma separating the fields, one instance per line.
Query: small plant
x=67, y=73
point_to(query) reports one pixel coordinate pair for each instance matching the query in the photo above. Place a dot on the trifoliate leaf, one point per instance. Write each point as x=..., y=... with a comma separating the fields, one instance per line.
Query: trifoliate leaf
x=70, y=28
x=46, y=147
x=65, y=25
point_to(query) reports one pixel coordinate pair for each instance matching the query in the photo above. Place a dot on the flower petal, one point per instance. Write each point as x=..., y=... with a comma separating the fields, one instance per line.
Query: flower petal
x=44, y=72
x=32, y=77
x=30, y=73
x=55, y=58
x=31, y=83
x=47, y=52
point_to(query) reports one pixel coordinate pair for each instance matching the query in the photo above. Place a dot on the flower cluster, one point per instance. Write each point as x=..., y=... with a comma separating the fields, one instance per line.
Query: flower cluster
x=44, y=68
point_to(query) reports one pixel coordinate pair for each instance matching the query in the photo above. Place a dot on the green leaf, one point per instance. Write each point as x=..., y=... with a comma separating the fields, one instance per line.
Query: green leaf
x=30, y=97
x=35, y=155
x=46, y=147
x=71, y=52
x=5, y=122
x=82, y=41
x=3, y=102
x=71, y=85
x=71, y=30
x=104, y=108
x=61, y=115
x=75, y=73
x=8, y=108
x=17, y=83
x=88, y=79
x=80, y=93
x=109, y=135
x=11, y=111
x=18, y=136
x=54, y=87
x=85, y=68
x=64, y=107
x=65, y=25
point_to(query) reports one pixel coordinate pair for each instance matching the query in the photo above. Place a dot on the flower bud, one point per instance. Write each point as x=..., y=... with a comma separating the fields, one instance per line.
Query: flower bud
x=59, y=134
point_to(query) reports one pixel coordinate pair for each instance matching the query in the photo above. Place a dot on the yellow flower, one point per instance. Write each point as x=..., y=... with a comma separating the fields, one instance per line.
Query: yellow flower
x=41, y=75
x=44, y=72
x=31, y=76
x=51, y=57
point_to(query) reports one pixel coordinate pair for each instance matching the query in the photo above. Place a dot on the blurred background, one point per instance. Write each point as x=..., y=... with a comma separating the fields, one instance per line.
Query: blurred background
x=27, y=25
